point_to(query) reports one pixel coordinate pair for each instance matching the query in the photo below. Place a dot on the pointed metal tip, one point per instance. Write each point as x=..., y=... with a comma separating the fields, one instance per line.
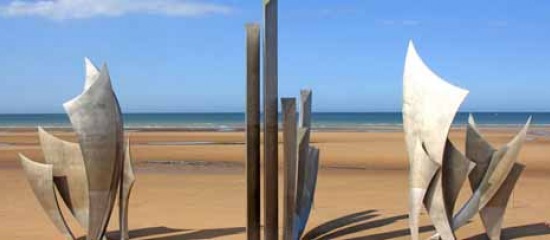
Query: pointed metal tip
x=411, y=44
x=89, y=65
x=527, y=125
x=529, y=120
x=26, y=161
x=471, y=120
x=104, y=68
x=411, y=49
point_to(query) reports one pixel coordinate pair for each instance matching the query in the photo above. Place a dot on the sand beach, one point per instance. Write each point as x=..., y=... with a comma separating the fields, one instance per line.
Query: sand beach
x=191, y=185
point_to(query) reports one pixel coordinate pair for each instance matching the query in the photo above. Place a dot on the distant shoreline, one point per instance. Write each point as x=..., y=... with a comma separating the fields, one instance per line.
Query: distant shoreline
x=364, y=128
x=321, y=121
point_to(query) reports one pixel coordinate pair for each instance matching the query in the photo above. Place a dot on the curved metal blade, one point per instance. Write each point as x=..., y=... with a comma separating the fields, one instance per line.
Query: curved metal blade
x=307, y=197
x=92, y=74
x=429, y=107
x=456, y=168
x=500, y=166
x=96, y=119
x=493, y=213
x=479, y=151
x=447, y=183
x=40, y=177
x=127, y=183
x=69, y=173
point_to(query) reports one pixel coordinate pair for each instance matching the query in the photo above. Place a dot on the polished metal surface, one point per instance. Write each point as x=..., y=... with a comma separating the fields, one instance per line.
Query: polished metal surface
x=271, y=142
x=304, y=123
x=436, y=206
x=96, y=118
x=429, y=107
x=40, y=177
x=301, y=164
x=479, y=151
x=447, y=182
x=128, y=177
x=307, y=197
x=307, y=167
x=290, y=166
x=499, y=168
x=492, y=215
x=253, y=202
x=92, y=73
x=305, y=108
x=69, y=173
x=88, y=174
x=455, y=170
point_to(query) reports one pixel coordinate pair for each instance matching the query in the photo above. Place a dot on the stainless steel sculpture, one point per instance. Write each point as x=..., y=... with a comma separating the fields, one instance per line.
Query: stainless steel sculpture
x=128, y=178
x=253, y=202
x=493, y=213
x=89, y=174
x=493, y=169
x=69, y=173
x=301, y=166
x=290, y=166
x=271, y=121
x=438, y=170
x=41, y=180
x=96, y=119
x=429, y=107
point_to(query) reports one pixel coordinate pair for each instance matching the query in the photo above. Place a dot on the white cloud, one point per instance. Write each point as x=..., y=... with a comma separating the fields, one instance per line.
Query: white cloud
x=79, y=9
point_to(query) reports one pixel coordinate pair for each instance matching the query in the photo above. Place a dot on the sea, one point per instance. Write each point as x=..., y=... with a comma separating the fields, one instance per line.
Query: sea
x=236, y=121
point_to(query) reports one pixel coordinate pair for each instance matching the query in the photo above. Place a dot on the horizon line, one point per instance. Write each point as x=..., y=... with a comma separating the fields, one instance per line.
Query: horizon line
x=322, y=112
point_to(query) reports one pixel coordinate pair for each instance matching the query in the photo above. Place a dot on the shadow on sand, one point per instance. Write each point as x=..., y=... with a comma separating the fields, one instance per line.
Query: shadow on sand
x=517, y=232
x=339, y=223
x=204, y=234
x=179, y=234
x=358, y=222
x=365, y=220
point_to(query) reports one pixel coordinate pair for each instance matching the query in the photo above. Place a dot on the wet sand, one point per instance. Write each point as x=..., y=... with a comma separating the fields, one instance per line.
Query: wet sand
x=191, y=185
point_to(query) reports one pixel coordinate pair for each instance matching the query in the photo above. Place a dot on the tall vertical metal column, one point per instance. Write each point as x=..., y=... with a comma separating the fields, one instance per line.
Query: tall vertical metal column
x=304, y=124
x=290, y=166
x=271, y=120
x=253, y=132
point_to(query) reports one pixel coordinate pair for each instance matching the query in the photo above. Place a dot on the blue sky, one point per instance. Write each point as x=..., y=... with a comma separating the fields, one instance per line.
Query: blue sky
x=178, y=55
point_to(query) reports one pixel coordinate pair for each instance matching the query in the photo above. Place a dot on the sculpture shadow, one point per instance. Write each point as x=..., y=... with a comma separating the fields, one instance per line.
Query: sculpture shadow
x=339, y=223
x=141, y=232
x=517, y=232
x=355, y=223
x=393, y=234
x=180, y=234
x=204, y=234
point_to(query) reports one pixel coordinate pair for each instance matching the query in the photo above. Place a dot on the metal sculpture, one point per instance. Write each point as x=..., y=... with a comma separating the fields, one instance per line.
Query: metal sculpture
x=126, y=184
x=494, y=168
x=69, y=173
x=438, y=170
x=89, y=174
x=41, y=180
x=290, y=166
x=253, y=202
x=271, y=121
x=301, y=166
x=429, y=107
